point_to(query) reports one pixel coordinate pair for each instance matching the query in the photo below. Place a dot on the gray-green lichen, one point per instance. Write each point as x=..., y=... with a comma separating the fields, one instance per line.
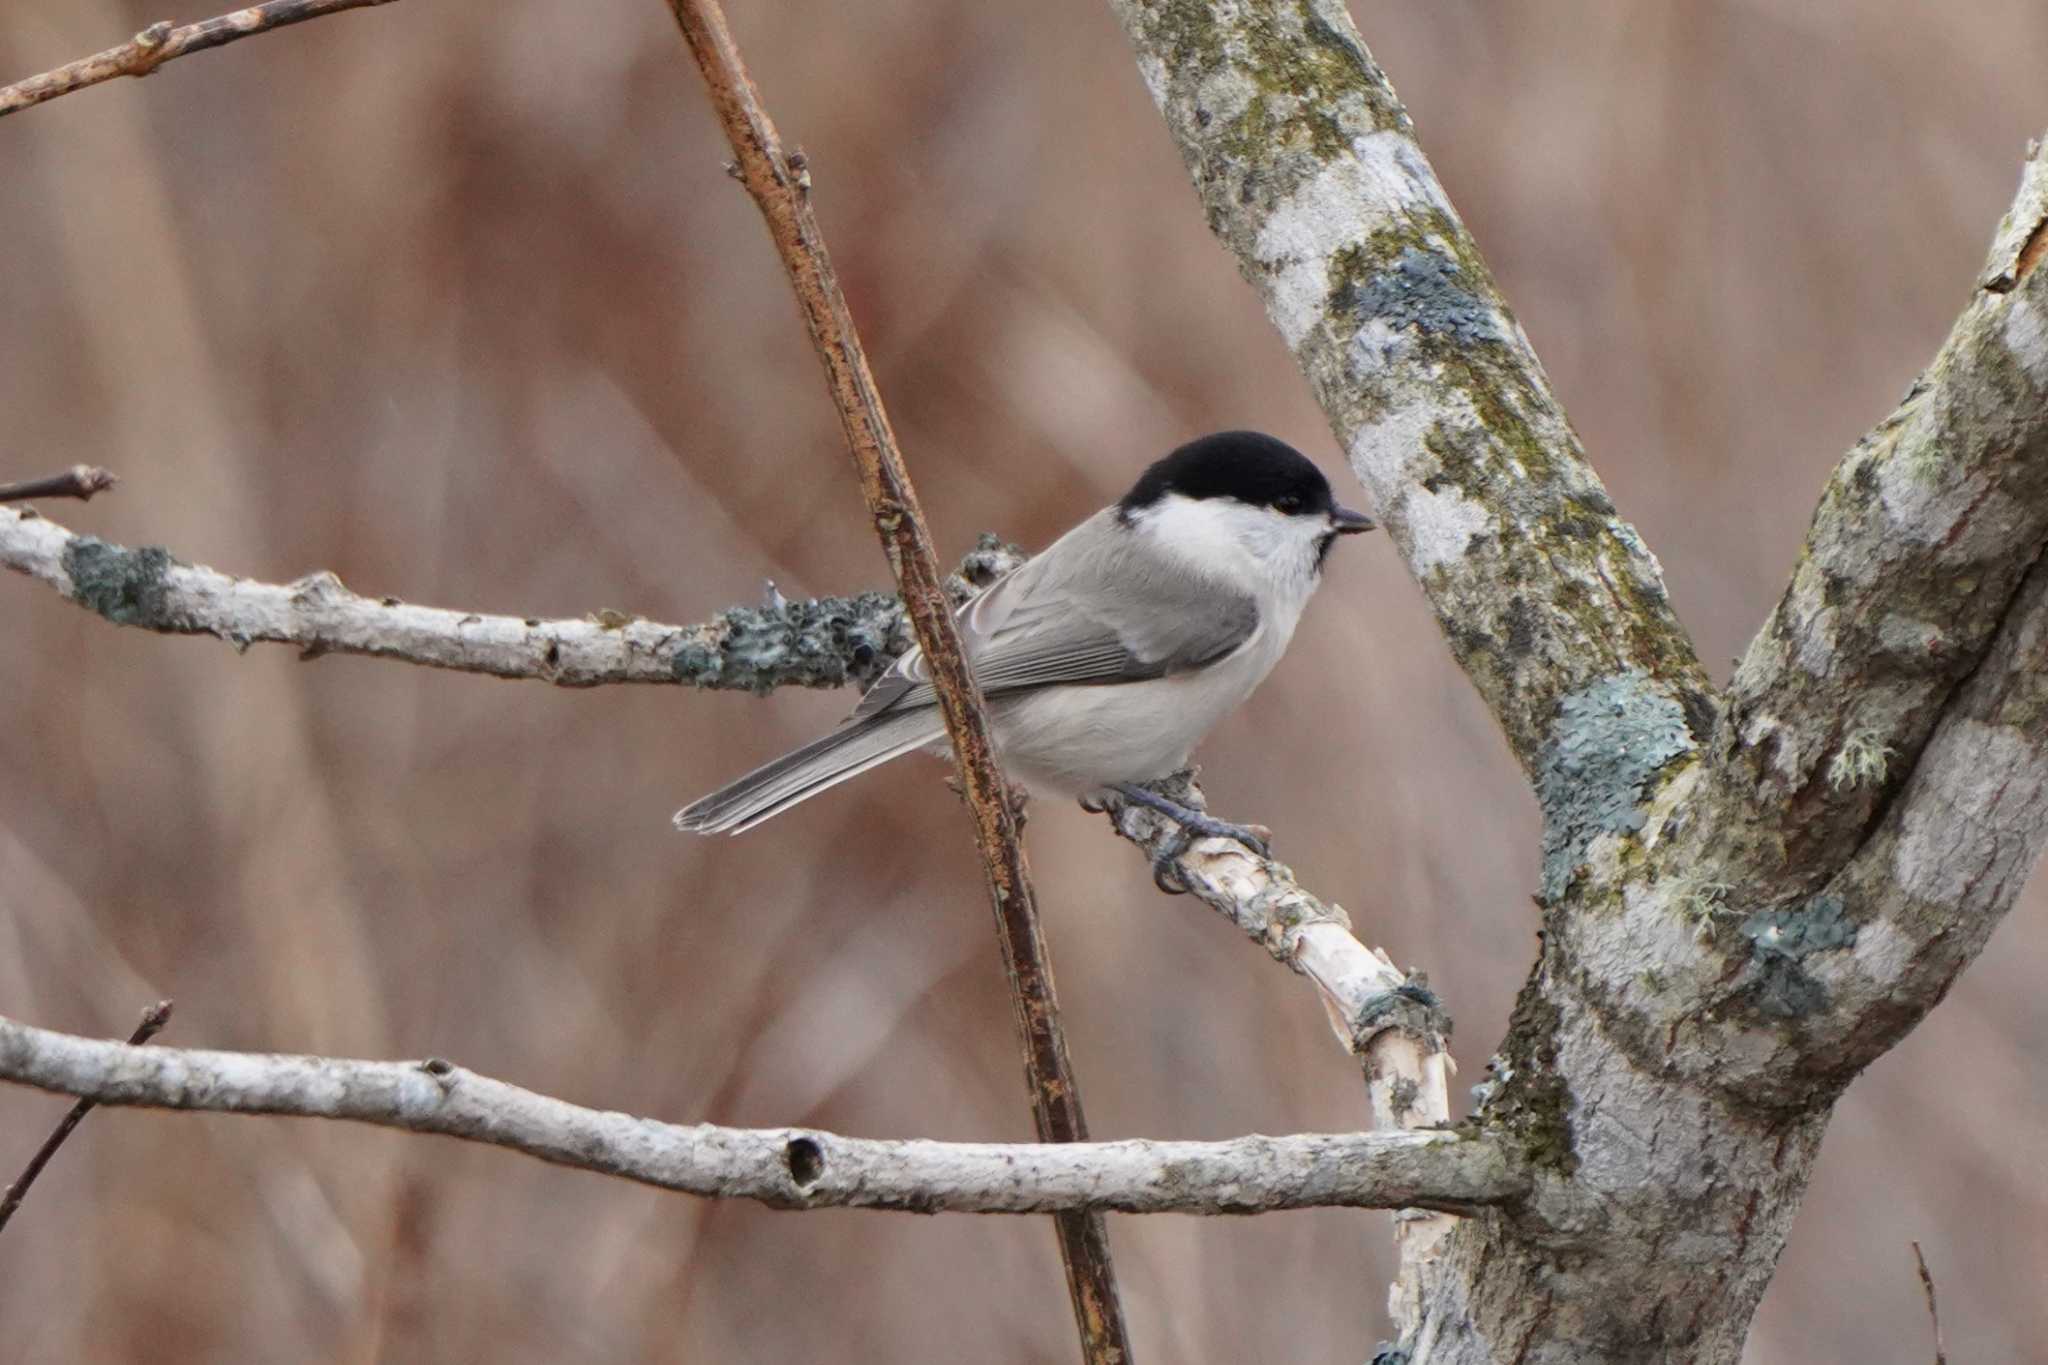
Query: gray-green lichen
x=125, y=586
x=822, y=641
x=1426, y=290
x=1780, y=941
x=1593, y=773
x=816, y=642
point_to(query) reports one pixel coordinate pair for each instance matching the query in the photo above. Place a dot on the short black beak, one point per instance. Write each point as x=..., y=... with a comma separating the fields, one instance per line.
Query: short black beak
x=1347, y=522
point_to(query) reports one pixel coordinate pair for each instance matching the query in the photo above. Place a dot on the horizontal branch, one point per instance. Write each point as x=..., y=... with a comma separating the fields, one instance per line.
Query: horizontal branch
x=80, y=481
x=161, y=42
x=1910, y=567
x=788, y=1168
x=821, y=642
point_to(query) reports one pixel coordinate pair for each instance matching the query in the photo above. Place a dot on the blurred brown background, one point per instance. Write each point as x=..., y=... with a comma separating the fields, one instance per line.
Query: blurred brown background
x=454, y=300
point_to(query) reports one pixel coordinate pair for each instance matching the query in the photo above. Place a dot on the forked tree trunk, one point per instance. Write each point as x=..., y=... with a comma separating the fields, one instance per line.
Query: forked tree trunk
x=1752, y=892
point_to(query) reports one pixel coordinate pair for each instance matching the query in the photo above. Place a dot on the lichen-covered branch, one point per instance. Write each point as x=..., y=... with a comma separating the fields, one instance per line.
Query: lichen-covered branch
x=1911, y=565
x=813, y=642
x=788, y=1168
x=161, y=42
x=1864, y=959
x=1309, y=169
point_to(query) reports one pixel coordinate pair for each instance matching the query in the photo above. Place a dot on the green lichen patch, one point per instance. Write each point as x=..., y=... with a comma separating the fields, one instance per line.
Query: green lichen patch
x=1777, y=981
x=1609, y=739
x=126, y=586
x=817, y=642
x=1422, y=289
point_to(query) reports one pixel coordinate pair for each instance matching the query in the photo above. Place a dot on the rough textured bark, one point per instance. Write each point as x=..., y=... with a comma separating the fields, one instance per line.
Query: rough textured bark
x=1309, y=170
x=786, y=1168
x=1746, y=900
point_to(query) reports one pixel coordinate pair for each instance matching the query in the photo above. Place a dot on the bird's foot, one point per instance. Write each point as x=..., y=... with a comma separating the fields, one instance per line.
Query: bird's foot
x=1192, y=824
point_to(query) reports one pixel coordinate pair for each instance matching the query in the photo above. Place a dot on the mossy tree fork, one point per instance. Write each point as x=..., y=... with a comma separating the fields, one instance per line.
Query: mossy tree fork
x=1749, y=892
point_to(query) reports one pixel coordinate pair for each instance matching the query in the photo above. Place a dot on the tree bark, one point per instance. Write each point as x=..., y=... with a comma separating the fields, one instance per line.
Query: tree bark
x=1747, y=899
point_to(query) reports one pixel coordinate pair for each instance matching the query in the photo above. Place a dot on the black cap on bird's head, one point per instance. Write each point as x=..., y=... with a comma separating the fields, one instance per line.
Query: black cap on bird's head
x=1251, y=468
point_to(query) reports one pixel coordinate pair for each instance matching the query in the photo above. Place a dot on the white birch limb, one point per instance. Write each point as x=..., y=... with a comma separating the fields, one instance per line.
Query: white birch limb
x=788, y=1168
x=819, y=642
x=1384, y=1017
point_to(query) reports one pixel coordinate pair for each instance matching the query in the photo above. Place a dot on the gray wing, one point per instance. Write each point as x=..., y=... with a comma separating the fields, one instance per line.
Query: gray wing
x=1048, y=622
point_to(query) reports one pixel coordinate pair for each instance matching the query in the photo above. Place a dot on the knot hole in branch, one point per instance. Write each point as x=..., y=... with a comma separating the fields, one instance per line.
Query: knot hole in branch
x=806, y=1161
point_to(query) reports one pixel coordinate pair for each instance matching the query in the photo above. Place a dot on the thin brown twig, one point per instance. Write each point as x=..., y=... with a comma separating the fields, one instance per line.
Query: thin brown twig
x=781, y=185
x=1933, y=1311
x=80, y=481
x=153, y=1020
x=161, y=42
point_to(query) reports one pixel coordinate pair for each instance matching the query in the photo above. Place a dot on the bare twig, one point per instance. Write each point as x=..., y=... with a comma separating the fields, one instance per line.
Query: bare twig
x=1933, y=1311
x=161, y=42
x=789, y=1168
x=153, y=1020
x=80, y=481
x=780, y=184
x=817, y=642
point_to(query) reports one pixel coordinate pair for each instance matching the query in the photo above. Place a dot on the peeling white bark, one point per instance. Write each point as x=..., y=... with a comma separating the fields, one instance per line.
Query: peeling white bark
x=1387, y=1019
x=788, y=1168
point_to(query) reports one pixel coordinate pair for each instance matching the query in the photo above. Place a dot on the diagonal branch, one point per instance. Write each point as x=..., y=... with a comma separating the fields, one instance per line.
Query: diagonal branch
x=1311, y=176
x=1910, y=567
x=780, y=184
x=80, y=481
x=153, y=1020
x=788, y=1168
x=1389, y=1021
x=161, y=42
x=813, y=642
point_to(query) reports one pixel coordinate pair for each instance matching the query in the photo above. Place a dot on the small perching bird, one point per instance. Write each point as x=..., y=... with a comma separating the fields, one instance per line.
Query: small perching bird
x=1108, y=657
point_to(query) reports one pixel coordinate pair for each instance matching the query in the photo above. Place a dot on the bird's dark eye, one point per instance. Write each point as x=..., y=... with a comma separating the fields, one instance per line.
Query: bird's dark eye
x=1287, y=504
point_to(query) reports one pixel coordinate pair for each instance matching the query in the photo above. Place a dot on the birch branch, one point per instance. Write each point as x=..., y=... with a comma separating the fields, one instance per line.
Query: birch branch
x=1388, y=1020
x=780, y=184
x=1309, y=171
x=818, y=642
x=787, y=1168
x=1910, y=568
x=161, y=42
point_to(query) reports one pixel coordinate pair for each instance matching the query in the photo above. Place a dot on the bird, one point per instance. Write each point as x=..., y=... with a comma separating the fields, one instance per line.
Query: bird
x=1106, y=658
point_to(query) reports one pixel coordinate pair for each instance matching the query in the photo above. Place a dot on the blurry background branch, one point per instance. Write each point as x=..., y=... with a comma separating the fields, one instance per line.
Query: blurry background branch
x=815, y=642
x=161, y=42
x=80, y=481
x=786, y=1168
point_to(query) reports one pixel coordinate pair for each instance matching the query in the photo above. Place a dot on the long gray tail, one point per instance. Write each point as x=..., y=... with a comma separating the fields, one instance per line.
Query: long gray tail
x=798, y=776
